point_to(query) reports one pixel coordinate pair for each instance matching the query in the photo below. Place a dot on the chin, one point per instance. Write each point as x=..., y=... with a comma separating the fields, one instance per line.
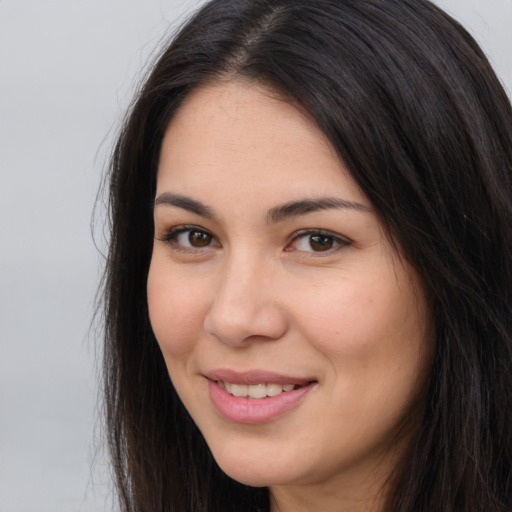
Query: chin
x=260, y=472
x=253, y=478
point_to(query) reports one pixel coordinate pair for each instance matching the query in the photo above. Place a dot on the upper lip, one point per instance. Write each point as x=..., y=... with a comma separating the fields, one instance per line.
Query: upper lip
x=255, y=377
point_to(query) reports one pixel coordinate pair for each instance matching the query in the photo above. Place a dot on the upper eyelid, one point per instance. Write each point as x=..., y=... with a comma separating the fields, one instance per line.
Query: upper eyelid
x=182, y=228
x=186, y=227
x=318, y=231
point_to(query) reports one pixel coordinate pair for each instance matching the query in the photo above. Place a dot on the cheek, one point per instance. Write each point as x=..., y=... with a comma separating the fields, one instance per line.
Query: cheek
x=342, y=318
x=176, y=310
x=366, y=326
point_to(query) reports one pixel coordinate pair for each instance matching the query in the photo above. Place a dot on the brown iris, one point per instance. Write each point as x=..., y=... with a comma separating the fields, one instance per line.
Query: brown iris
x=321, y=242
x=199, y=238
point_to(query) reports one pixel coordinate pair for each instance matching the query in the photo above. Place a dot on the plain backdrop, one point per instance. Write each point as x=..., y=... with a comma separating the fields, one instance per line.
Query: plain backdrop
x=67, y=73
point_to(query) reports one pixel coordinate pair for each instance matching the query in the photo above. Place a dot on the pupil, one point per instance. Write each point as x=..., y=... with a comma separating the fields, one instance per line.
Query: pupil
x=199, y=238
x=320, y=242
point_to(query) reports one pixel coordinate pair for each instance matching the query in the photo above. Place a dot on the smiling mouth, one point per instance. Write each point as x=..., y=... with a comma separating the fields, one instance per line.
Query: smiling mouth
x=257, y=391
x=256, y=397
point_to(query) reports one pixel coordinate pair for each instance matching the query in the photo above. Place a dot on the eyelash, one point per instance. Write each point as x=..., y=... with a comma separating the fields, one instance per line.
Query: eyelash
x=170, y=237
x=337, y=241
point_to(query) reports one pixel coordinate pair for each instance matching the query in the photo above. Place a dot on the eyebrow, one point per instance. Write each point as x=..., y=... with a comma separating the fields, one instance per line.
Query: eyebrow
x=186, y=203
x=274, y=215
x=304, y=206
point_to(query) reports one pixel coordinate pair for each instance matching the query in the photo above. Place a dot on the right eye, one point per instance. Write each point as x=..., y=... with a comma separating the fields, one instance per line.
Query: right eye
x=189, y=238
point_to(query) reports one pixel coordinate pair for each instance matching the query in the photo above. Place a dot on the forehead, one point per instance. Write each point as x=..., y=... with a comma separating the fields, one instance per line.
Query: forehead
x=245, y=140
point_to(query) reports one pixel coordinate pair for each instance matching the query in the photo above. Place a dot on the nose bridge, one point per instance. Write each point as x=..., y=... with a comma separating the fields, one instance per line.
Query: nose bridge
x=244, y=304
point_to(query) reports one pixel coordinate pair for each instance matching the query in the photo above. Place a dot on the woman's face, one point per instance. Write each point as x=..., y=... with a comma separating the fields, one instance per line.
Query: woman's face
x=292, y=331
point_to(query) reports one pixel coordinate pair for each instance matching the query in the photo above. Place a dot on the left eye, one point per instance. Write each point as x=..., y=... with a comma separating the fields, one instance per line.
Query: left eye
x=317, y=242
x=194, y=238
x=189, y=238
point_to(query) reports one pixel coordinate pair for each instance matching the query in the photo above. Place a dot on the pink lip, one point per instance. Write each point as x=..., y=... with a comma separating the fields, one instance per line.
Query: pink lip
x=255, y=411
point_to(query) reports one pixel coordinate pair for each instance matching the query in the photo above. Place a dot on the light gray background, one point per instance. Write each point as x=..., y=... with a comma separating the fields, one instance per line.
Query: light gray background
x=67, y=72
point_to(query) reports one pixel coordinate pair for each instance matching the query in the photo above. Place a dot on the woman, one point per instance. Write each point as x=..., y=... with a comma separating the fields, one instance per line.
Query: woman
x=309, y=282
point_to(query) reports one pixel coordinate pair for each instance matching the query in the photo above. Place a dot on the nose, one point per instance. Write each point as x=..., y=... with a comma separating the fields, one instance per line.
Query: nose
x=245, y=306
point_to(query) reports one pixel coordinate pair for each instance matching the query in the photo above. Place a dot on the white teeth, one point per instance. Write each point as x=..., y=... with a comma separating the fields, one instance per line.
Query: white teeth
x=255, y=391
x=274, y=389
x=239, y=389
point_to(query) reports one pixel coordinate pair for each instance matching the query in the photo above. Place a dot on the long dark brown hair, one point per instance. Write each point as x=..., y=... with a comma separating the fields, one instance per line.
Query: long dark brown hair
x=415, y=112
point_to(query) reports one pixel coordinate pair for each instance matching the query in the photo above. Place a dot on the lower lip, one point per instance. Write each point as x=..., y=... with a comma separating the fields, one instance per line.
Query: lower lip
x=254, y=411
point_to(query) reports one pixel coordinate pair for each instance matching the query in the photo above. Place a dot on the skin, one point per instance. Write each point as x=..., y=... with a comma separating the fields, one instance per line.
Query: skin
x=251, y=292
